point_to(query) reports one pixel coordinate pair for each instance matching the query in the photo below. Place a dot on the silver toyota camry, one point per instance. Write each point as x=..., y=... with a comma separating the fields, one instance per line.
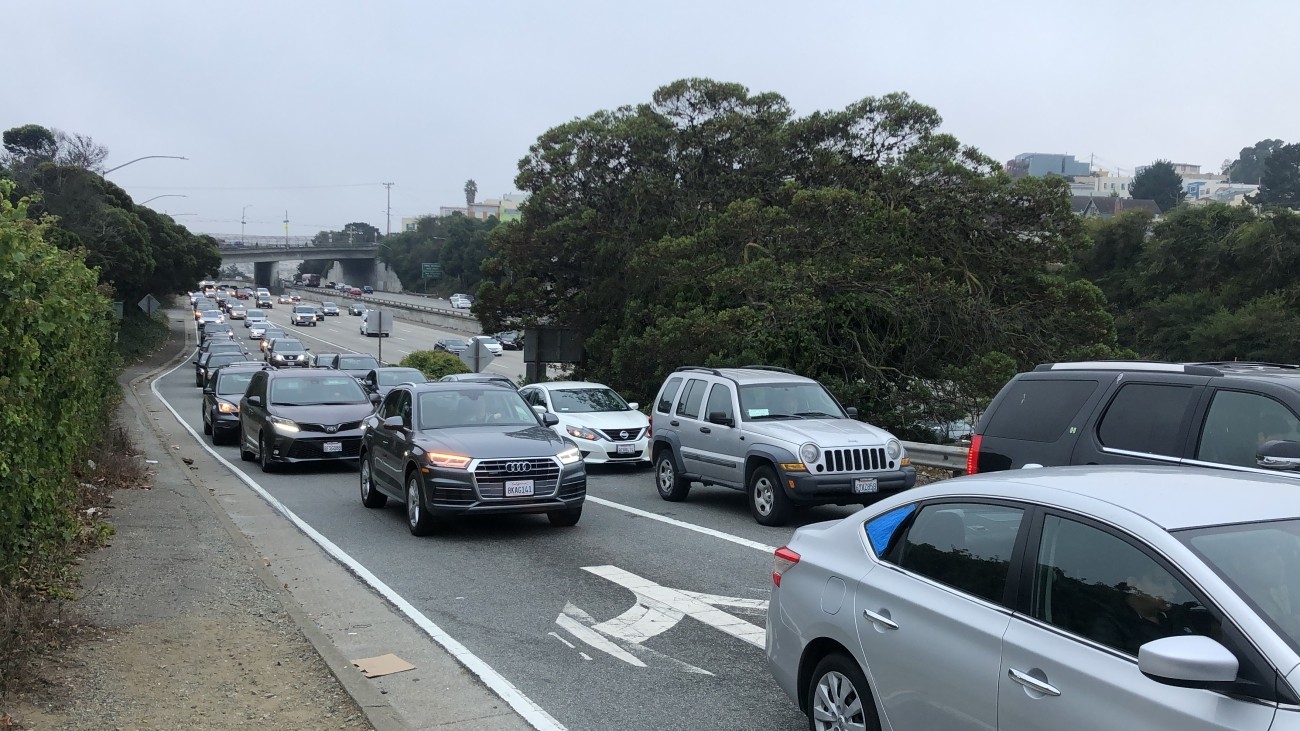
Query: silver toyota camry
x=1108, y=598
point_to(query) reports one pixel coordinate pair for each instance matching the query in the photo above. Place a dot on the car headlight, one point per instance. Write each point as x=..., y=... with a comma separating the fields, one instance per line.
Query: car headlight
x=283, y=425
x=810, y=453
x=894, y=449
x=570, y=456
x=227, y=408
x=581, y=432
x=451, y=461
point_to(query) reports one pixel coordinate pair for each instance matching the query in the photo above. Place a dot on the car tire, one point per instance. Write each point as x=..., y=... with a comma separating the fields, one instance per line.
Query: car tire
x=418, y=517
x=565, y=518
x=263, y=455
x=244, y=454
x=767, y=500
x=370, y=496
x=671, y=485
x=207, y=429
x=836, y=687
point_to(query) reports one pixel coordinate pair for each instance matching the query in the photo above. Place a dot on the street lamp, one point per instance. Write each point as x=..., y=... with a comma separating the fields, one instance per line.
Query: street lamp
x=146, y=157
x=165, y=195
x=242, y=222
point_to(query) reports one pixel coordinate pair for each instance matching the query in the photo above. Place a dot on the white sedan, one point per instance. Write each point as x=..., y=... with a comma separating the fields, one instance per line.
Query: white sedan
x=492, y=343
x=606, y=428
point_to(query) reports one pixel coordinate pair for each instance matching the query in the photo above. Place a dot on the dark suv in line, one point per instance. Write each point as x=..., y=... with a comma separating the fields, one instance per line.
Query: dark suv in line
x=1227, y=415
x=301, y=415
x=446, y=449
x=221, y=395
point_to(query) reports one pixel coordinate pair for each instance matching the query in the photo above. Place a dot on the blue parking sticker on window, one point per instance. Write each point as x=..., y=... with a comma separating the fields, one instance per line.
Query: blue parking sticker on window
x=881, y=530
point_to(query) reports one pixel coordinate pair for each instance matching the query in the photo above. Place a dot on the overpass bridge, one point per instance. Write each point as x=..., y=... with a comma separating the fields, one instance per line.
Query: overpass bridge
x=357, y=260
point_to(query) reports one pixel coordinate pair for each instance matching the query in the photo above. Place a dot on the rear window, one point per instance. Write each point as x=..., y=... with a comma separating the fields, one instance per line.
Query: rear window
x=1145, y=417
x=1038, y=410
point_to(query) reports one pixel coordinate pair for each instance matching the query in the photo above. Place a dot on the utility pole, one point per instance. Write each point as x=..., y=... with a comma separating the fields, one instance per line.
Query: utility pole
x=388, y=187
x=286, y=228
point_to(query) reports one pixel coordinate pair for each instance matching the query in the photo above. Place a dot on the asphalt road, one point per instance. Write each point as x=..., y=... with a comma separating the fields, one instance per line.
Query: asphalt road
x=535, y=601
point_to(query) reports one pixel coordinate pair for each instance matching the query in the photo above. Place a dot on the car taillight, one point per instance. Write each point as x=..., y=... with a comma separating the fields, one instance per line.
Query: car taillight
x=650, y=427
x=782, y=560
x=973, y=454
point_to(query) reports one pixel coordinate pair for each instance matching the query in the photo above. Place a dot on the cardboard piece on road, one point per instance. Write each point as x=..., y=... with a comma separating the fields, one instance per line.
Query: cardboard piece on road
x=374, y=667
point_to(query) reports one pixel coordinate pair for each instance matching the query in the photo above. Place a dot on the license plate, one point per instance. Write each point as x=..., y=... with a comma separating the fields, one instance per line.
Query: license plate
x=626, y=448
x=519, y=488
x=332, y=447
x=864, y=484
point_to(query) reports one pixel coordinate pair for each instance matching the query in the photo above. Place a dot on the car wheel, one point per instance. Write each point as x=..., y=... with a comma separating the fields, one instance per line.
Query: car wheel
x=244, y=454
x=264, y=455
x=207, y=428
x=564, y=518
x=838, y=696
x=672, y=486
x=370, y=497
x=418, y=517
x=767, y=500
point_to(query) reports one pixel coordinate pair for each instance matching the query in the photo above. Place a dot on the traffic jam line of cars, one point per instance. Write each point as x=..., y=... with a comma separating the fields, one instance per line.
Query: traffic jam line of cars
x=1125, y=553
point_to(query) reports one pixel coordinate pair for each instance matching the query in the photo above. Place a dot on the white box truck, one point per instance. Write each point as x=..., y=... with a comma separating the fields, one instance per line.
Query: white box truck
x=376, y=323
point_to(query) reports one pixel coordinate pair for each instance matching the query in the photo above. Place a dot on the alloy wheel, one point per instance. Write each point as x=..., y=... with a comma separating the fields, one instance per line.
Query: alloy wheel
x=837, y=705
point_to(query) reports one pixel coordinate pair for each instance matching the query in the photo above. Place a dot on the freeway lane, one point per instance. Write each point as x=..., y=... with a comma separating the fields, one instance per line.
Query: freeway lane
x=536, y=602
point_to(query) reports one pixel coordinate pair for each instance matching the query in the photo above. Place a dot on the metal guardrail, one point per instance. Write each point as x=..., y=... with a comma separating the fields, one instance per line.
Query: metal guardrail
x=325, y=293
x=949, y=457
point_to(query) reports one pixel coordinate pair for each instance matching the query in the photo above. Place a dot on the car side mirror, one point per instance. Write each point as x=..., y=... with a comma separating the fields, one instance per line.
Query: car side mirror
x=1188, y=661
x=375, y=398
x=720, y=417
x=852, y=411
x=634, y=406
x=539, y=409
x=254, y=400
x=549, y=419
x=394, y=422
x=1279, y=454
x=209, y=390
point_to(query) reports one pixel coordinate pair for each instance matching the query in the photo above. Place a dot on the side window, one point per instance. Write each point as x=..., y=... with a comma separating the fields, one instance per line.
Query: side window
x=259, y=385
x=404, y=408
x=1144, y=417
x=689, y=406
x=390, y=405
x=1238, y=423
x=1038, y=410
x=720, y=401
x=964, y=545
x=1099, y=586
x=666, y=398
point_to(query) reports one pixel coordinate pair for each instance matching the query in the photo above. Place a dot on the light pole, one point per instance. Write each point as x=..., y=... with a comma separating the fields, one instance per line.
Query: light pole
x=146, y=157
x=165, y=195
x=242, y=222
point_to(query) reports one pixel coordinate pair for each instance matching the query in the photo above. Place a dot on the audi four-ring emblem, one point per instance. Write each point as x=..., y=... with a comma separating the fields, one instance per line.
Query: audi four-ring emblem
x=518, y=466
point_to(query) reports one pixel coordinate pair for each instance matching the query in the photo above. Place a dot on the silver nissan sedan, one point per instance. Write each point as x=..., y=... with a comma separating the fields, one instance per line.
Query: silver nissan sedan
x=1108, y=598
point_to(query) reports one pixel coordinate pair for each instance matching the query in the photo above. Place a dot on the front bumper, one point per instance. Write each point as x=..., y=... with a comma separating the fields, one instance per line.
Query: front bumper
x=459, y=492
x=602, y=451
x=225, y=423
x=838, y=487
x=312, y=446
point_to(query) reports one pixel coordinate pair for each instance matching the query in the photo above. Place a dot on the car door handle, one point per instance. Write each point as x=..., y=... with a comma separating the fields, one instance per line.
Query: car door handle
x=675, y=422
x=1032, y=683
x=706, y=430
x=879, y=619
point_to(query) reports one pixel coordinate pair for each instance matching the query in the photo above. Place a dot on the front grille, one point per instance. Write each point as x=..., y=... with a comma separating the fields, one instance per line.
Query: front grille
x=453, y=496
x=573, y=489
x=490, y=475
x=315, y=449
x=348, y=426
x=855, y=459
x=616, y=435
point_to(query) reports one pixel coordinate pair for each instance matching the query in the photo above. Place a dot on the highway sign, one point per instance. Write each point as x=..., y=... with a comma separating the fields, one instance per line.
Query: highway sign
x=149, y=304
x=477, y=356
x=430, y=270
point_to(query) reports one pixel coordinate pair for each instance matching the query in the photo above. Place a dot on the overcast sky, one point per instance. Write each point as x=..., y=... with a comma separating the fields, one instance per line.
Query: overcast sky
x=307, y=106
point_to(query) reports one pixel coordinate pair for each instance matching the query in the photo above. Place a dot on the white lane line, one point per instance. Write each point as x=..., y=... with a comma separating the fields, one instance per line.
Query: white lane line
x=593, y=638
x=568, y=644
x=683, y=524
x=526, y=707
x=585, y=656
x=667, y=607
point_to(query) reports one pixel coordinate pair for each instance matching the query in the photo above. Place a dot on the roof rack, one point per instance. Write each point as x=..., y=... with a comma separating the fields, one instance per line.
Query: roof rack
x=1191, y=369
x=713, y=371
x=1247, y=364
x=778, y=369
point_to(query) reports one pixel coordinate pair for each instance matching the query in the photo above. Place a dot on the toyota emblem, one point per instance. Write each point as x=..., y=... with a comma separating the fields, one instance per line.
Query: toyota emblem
x=622, y=434
x=331, y=429
x=517, y=466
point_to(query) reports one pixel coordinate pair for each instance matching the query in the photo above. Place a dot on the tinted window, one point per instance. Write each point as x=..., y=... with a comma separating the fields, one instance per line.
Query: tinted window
x=1144, y=417
x=1239, y=423
x=689, y=406
x=389, y=407
x=288, y=346
x=964, y=545
x=478, y=407
x=357, y=362
x=666, y=398
x=1096, y=585
x=392, y=378
x=720, y=401
x=305, y=390
x=1038, y=410
x=233, y=383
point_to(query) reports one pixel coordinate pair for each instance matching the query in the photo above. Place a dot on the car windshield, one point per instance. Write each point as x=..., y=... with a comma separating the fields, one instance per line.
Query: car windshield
x=217, y=360
x=357, y=362
x=234, y=382
x=455, y=343
x=478, y=407
x=404, y=375
x=256, y=313
x=273, y=334
x=577, y=400
x=225, y=347
x=787, y=401
x=212, y=313
x=304, y=310
x=316, y=390
x=328, y=304
x=288, y=346
x=1262, y=562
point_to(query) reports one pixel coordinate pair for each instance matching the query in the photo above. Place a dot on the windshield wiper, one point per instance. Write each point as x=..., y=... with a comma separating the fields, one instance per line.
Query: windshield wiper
x=817, y=413
x=776, y=416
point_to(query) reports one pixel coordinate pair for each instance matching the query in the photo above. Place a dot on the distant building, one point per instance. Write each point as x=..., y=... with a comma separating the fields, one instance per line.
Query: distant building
x=1094, y=206
x=505, y=208
x=1102, y=185
x=409, y=224
x=1039, y=164
x=1182, y=168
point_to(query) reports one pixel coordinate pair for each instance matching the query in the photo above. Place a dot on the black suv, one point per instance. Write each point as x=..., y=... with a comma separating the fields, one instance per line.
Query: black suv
x=1237, y=416
x=221, y=395
x=301, y=415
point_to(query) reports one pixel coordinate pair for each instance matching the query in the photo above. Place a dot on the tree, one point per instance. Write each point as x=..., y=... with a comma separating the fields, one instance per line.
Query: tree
x=457, y=242
x=30, y=141
x=1280, y=184
x=1161, y=183
x=471, y=191
x=1249, y=165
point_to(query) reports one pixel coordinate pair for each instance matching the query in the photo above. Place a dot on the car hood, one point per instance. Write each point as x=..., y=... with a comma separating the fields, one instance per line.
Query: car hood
x=605, y=419
x=489, y=442
x=824, y=432
x=330, y=414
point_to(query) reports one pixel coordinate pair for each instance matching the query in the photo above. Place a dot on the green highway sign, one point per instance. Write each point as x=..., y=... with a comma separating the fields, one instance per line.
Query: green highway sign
x=431, y=270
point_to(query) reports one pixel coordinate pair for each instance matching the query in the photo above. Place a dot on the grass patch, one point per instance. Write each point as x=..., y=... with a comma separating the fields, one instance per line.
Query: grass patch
x=139, y=336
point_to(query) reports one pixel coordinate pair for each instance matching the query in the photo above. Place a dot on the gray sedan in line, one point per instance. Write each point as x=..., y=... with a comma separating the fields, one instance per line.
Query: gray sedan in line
x=1105, y=598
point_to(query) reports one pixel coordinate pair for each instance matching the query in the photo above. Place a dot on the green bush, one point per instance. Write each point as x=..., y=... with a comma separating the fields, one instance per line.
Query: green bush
x=57, y=387
x=434, y=364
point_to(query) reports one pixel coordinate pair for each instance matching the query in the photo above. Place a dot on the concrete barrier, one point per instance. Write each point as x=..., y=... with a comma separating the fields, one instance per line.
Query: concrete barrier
x=441, y=317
